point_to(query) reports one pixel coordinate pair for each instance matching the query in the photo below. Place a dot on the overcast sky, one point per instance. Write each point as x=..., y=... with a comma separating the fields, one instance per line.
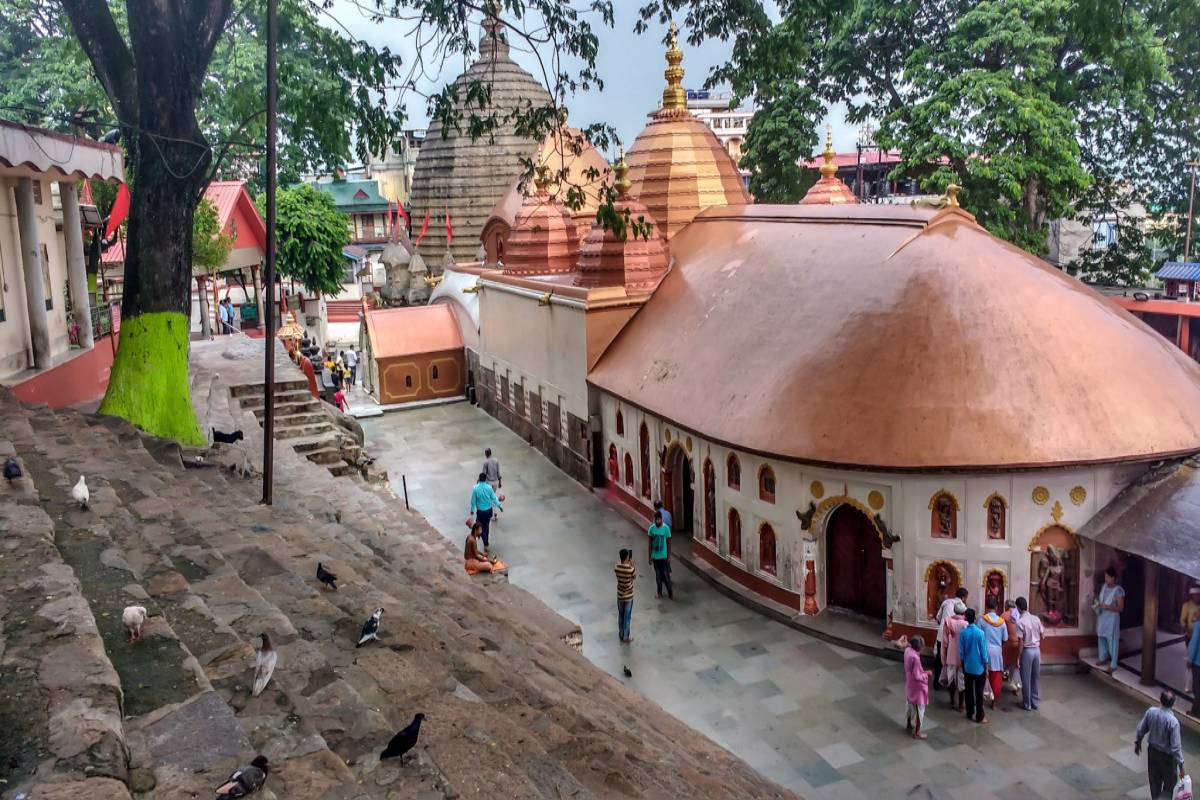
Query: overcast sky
x=631, y=66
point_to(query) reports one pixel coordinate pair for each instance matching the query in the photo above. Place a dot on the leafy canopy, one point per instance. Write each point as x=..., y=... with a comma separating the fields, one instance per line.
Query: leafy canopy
x=311, y=234
x=210, y=247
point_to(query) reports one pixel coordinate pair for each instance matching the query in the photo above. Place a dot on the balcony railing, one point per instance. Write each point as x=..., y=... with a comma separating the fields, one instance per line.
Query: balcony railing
x=102, y=317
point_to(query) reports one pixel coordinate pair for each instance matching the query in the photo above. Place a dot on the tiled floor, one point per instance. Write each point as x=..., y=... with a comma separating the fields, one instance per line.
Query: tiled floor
x=823, y=720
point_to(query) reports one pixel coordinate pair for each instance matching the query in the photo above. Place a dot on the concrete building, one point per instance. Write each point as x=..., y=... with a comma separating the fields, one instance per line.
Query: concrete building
x=730, y=125
x=42, y=260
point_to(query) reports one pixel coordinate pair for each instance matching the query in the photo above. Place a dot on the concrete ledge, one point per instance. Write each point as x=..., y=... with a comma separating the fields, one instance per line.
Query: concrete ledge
x=1129, y=683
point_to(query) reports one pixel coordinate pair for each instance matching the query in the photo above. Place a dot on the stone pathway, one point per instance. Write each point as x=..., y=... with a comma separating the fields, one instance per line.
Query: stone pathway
x=817, y=718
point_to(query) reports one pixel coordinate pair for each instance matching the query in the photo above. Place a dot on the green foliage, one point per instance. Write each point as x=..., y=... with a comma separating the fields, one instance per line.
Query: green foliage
x=210, y=247
x=1128, y=262
x=781, y=134
x=311, y=234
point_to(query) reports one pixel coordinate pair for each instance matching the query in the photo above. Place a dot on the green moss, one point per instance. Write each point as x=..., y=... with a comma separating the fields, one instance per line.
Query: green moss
x=149, y=381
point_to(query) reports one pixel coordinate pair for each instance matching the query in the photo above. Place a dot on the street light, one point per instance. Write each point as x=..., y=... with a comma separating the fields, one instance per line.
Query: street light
x=269, y=277
x=1187, y=240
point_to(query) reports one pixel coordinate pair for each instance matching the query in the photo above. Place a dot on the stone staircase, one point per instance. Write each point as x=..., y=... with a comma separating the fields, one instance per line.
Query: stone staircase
x=512, y=711
x=302, y=424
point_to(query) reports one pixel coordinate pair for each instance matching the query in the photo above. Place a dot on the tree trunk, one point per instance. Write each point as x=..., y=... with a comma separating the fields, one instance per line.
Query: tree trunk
x=149, y=381
x=202, y=293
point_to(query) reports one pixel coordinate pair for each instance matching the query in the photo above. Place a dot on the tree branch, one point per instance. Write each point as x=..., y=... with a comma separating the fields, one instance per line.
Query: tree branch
x=110, y=56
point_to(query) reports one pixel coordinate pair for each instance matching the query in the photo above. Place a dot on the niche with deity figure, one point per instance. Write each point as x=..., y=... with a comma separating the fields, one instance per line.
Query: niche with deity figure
x=942, y=579
x=994, y=585
x=1054, y=577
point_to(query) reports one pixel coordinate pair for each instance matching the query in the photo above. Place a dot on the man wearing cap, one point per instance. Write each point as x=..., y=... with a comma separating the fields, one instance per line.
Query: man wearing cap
x=952, y=669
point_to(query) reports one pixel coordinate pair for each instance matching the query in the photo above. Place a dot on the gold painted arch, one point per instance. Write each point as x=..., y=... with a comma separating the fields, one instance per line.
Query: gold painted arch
x=994, y=496
x=957, y=570
x=830, y=503
x=944, y=493
x=1033, y=543
x=999, y=571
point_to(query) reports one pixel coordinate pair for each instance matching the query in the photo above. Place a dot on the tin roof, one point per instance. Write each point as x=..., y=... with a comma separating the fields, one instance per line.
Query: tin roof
x=413, y=330
x=1179, y=270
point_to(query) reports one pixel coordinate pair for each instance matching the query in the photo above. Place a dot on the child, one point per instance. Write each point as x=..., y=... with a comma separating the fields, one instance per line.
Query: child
x=625, y=575
x=916, y=687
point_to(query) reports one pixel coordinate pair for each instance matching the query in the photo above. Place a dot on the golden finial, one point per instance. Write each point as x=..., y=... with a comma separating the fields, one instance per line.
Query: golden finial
x=951, y=197
x=674, y=97
x=829, y=169
x=541, y=178
x=621, y=170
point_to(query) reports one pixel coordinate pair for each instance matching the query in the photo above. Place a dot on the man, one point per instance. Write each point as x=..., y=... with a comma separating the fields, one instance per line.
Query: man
x=483, y=500
x=666, y=515
x=1194, y=666
x=1164, y=759
x=1029, y=632
x=352, y=365
x=225, y=309
x=625, y=574
x=660, y=555
x=952, y=628
x=972, y=650
x=491, y=468
x=945, y=610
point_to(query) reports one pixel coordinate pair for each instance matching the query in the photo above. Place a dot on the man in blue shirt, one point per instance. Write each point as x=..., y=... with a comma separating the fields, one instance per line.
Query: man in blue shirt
x=1194, y=663
x=666, y=515
x=972, y=648
x=660, y=555
x=483, y=500
x=1164, y=759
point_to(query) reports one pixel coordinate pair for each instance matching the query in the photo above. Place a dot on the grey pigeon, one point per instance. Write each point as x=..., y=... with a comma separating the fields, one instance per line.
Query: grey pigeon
x=370, y=628
x=245, y=780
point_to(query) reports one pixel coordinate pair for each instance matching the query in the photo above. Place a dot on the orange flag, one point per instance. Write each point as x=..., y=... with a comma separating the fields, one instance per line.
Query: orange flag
x=449, y=230
x=120, y=211
x=424, y=229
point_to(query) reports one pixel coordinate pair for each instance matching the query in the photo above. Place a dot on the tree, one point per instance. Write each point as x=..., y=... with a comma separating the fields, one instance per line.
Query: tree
x=172, y=101
x=210, y=249
x=311, y=234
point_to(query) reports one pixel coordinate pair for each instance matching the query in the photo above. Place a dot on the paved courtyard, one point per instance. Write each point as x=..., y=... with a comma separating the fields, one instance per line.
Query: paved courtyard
x=822, y=720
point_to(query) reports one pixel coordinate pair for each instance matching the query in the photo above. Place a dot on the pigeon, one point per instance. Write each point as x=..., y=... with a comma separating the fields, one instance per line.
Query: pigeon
x=370, y=628
x=12, y=470
x=403, y=741
x=245, y=780
x=80, y=494
x=134, y=617
x=264, y=666
x=627, y=671
x=326, y=577
x=227, y=438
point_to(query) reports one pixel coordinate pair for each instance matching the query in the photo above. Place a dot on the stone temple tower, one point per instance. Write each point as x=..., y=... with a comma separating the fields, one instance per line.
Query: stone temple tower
x=468, y=176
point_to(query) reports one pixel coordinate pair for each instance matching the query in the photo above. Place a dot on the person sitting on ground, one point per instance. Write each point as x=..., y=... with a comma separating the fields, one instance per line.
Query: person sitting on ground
x=475, y=559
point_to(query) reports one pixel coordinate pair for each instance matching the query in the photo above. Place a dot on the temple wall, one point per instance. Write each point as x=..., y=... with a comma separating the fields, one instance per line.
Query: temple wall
x=1036, y=501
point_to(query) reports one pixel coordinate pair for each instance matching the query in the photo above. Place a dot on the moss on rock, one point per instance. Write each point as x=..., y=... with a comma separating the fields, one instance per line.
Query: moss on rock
x=149, y=381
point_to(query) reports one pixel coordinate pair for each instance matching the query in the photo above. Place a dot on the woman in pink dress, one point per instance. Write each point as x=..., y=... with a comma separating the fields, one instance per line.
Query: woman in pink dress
x=916, y=687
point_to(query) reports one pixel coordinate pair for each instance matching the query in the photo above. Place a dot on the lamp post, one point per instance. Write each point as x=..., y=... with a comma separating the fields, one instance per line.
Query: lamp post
x=1187, y=240
x=269, y=277
x=865, y=141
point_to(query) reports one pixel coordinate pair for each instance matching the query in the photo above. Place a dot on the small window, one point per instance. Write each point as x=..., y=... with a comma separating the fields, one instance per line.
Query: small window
x=408, y=381
x=614, y=465
x=734, y=533
x=710, y=501
x=620, y=424
x=766, y=484
x=766, y=549
x=433, y=372
x=49, y=288
x=733, y=472
x=629, y=470
x=37, y=192
x=943, y=516
x=644, y=448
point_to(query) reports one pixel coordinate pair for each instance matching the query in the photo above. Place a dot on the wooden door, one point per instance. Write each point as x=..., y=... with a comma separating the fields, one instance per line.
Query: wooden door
x=856, y=575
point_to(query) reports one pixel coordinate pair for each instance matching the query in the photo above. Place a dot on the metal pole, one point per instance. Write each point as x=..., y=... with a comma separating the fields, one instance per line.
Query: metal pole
x=1187, y=242
x=269, y=364
x=404, y=482
x=859, y=171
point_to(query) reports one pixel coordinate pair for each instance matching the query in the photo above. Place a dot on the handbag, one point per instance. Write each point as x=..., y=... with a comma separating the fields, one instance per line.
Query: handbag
x=470, y=520
x=1183, y=789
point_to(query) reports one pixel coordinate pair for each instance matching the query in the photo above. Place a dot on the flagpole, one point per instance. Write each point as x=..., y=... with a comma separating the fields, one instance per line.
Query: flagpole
x=269, y=277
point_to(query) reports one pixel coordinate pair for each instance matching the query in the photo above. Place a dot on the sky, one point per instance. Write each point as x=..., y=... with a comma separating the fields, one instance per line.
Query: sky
x=631, y=66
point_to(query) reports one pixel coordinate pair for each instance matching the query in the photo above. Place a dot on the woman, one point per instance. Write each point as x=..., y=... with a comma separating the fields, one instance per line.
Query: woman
x=995, y=633
x=916, y=687
x=1109, y=606
x=474, y=559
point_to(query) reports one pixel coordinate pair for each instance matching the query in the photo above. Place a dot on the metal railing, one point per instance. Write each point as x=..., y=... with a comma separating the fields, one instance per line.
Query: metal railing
x=102, y=317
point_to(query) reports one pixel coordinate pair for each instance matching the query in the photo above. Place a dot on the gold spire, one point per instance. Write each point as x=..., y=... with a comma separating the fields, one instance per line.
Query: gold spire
x=829, y=169
x=621, y=171
x=674, y=97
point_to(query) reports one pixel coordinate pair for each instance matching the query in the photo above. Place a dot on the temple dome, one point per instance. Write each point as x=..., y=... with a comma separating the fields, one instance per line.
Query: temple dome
x=677, y=165
x=636, y=261
x=896, y=338
x=464, y=176
x=543, y=240
x=829, y=189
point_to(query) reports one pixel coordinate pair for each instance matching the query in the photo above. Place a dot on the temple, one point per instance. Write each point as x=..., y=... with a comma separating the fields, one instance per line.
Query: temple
x=850, y=409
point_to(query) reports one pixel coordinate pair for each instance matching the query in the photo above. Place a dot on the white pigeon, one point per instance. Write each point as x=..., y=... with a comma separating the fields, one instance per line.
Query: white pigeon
x=370, y=628
x=80, y=494
x=134, y=618
x=264, y=666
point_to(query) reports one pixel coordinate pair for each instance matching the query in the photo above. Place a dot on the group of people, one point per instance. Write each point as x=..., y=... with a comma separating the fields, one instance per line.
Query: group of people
x=485, y=505
x=973, y=654
x=226, y=314
x=337, y=374
x=659, y=553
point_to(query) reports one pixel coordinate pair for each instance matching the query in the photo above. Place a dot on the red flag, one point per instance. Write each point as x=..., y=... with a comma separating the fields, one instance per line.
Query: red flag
x=404, y=213
x=391, y=223
x=120, y=210
x=449, y=230
x=424, y=229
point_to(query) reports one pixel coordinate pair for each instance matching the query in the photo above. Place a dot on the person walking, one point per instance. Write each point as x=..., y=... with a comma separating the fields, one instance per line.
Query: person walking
x=1193, y=656
x=995, y=630
x=625, y=574
x=225, y=309
x=660, y=556
x=1109, y=606
x=952, y=673
x=945, y=610
x=1164, y=757
x=1029, y=632
x=352, y=365
x=491, y=468
x=666, y=515
x=916, y=688
x=483, y=501
x=972, y=649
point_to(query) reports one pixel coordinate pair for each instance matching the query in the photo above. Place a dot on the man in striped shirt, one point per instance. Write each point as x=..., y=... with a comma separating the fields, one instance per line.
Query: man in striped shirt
x=625, y=575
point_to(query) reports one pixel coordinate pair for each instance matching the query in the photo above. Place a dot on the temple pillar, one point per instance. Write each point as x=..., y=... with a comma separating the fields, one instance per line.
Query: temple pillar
x=76, y=269
x=1150, y=624
x=1183, y=335
x=31, y=261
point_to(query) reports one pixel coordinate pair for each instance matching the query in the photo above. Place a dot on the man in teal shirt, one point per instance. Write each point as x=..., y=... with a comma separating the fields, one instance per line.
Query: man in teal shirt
x=660, y=555
x=483, y=500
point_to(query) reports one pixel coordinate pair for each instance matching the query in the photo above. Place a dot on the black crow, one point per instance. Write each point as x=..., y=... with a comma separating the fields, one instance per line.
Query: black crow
x=326, y=577
x=12, y=470
x=370, y=628
x=628, y=673
x=403, y=741
x=245, y=780
x=227, y=438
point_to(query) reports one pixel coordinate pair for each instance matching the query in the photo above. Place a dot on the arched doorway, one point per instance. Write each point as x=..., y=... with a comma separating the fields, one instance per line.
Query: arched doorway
x=678, y=492
x=856, y=578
